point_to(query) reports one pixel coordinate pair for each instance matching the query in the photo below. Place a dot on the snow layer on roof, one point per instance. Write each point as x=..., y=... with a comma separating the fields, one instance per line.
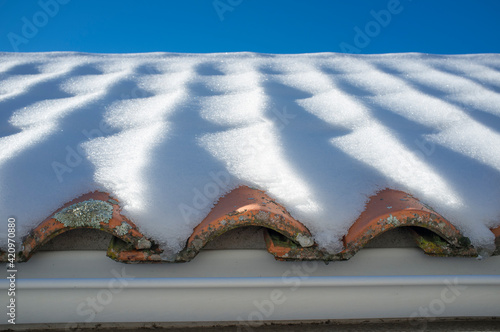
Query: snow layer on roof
x=169, y=134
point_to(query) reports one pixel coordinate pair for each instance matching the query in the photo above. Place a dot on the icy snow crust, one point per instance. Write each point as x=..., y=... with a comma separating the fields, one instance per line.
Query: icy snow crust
x=169, y=134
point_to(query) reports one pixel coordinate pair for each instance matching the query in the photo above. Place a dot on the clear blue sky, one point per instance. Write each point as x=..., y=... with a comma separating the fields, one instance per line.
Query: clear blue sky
x=283, y=26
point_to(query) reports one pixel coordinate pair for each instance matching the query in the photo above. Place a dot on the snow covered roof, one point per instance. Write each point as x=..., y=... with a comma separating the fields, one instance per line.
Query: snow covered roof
x=169, y=134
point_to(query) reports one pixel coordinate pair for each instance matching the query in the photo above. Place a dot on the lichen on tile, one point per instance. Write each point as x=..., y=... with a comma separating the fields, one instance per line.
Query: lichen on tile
x=123, y=228
x=89, y=213
x=392, y=220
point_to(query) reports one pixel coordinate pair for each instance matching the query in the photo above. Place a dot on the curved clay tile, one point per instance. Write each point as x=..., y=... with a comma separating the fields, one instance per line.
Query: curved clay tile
x=94, y=210
x=389, y=209
x=386, y=210
x=287, y=239
x=242, y=207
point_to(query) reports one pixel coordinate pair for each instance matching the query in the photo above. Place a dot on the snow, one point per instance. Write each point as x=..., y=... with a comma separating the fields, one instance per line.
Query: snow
x=169, y=134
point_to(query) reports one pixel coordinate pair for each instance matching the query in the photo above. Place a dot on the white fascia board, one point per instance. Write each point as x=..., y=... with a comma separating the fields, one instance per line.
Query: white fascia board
x=250, y=286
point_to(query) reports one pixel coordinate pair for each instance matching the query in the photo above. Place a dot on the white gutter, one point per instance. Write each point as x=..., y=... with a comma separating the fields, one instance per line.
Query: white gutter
x=261, y=282
x=249, y=286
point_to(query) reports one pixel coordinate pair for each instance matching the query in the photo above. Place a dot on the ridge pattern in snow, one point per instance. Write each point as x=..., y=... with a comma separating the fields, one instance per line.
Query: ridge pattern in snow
x=169, y=134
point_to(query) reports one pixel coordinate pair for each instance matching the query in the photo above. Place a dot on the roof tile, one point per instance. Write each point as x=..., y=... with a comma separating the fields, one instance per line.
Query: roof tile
x=241, y=207
x=285, y=237
x=386, y=210
x=389, y=209
x=93, y=210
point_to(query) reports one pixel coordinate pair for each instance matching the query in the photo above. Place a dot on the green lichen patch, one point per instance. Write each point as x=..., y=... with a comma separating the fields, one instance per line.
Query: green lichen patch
x=391, y=220
x=123, y=228
x=85, y=214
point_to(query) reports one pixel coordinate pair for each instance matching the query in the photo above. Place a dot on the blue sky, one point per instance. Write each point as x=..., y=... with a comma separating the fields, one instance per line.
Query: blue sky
x=200, y=26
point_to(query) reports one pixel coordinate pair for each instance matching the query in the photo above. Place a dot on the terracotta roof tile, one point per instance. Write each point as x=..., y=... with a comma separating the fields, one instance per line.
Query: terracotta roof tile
x=285, y=237
x=241, y=207
x=93, y=210
x=246, y=207
x=390, y=209
x=387, y=210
